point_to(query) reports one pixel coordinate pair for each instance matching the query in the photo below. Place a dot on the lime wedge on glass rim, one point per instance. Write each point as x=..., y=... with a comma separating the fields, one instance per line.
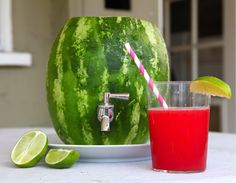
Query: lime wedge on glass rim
x=29, y=149
x=210, y=85
x=61, y=158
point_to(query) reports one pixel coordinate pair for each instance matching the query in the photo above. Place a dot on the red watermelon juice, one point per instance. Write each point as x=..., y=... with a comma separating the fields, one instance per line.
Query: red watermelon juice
x=178, y=137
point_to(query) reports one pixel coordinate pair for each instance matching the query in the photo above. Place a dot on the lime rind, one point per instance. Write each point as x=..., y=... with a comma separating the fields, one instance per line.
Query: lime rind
x=212, y=86
x=29, y=149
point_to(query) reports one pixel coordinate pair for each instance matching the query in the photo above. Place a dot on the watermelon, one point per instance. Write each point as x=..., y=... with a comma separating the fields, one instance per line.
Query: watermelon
x=87, y=59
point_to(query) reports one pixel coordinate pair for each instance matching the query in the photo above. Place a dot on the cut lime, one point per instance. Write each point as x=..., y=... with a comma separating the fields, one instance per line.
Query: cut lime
x=29, y=149
x=210, y=85
x=61, y=158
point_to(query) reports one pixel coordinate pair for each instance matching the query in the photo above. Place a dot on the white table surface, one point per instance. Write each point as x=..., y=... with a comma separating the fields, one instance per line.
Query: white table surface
x=221, y=165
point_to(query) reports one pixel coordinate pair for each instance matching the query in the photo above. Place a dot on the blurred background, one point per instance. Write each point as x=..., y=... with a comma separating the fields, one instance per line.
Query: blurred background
x=200, y=36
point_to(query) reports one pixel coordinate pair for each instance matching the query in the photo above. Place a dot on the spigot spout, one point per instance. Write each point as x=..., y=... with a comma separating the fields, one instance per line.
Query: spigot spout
x=105, y=124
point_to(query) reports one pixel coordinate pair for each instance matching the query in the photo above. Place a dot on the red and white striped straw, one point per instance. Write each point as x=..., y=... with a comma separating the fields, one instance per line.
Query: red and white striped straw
x=146, y=76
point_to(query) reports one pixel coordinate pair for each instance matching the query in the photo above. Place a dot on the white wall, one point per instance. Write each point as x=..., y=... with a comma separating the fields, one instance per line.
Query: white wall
x=22, y=89
x=151, y=10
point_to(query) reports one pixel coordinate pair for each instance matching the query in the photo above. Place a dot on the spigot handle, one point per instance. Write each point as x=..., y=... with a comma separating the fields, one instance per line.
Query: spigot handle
x=108, y=95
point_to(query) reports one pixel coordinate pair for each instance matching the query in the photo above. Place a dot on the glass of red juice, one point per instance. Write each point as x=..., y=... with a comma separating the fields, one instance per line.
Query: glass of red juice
x=179, y=133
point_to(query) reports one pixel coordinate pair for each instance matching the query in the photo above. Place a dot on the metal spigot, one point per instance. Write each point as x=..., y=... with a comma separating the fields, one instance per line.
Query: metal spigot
x=106, y=110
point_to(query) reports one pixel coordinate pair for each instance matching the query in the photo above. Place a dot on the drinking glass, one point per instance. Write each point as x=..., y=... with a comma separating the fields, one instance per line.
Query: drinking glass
x=179, y=133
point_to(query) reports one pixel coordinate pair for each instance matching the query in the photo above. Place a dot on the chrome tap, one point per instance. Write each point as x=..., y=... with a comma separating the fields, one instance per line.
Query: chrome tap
x=106, y=110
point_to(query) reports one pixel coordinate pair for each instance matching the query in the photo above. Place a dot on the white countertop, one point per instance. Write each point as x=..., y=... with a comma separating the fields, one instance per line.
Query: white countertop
x=221, y=165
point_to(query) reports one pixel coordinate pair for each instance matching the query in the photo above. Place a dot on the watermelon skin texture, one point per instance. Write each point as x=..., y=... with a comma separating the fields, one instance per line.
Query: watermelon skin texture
x=88, y=58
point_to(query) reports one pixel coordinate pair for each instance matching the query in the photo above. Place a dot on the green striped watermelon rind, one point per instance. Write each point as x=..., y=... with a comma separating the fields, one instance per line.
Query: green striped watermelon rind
x=87, y=59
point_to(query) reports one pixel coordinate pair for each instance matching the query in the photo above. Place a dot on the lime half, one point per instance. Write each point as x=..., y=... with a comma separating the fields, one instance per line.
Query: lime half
x=29, y=149
x=61, y=158
x=210, y=85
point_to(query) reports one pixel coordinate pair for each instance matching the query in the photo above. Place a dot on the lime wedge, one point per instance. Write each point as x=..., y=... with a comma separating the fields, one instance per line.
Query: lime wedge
x=29, y=149
x=210, y=85
x=61, y=158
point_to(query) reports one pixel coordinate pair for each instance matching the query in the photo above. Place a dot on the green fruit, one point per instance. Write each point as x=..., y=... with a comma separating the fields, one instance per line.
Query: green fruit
x=29, y=149
x=212, y=86
x=61, y=158
x=88, y=58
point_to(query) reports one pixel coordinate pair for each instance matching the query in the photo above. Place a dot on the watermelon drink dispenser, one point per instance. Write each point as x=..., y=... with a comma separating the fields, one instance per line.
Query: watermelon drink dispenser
x=106, y=110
